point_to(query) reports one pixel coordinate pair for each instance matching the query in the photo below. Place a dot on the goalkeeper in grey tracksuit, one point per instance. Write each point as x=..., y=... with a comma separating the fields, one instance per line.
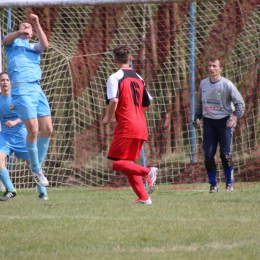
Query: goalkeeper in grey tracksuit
x=220, y=104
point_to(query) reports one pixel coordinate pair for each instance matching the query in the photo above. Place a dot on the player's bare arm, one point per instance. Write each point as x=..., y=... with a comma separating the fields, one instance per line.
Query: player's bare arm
x=12, y=36
x=43, y=41
x=144, y=109
x=12, y=123
x=110, y=110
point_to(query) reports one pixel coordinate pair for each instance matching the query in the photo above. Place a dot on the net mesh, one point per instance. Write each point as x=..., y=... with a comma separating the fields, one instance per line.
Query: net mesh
x=79, y=61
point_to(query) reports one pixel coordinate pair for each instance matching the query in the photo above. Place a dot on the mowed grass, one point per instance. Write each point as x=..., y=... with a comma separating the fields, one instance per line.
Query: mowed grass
x=82, y=223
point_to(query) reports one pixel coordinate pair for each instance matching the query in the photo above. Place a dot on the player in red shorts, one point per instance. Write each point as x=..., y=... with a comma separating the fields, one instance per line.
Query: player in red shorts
x=128, y=99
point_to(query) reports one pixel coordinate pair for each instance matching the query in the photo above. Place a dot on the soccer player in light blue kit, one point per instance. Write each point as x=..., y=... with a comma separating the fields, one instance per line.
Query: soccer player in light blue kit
x=221, y=105
x=30, y=103
x=12, y=139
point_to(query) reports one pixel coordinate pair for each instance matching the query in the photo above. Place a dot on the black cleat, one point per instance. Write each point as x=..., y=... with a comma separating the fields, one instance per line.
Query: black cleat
x=8, y=195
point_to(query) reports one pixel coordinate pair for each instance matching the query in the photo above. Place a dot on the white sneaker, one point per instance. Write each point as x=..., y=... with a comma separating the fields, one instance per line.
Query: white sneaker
x=151, y=179
x=40, y=179
x=138, y=201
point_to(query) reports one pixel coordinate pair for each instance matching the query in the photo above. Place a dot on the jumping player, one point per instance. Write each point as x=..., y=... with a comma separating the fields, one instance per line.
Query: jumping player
x=12, y=139
x=128, y=99
x=30, y=103
x=220, y=104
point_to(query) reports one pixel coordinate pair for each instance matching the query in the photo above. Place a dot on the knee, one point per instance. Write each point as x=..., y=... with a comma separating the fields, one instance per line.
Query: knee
x=226, y=161
x=49, y=131
x=110, y=164
x=210, y=165
x=46, y=131
x=32, y=132
x=2, y=165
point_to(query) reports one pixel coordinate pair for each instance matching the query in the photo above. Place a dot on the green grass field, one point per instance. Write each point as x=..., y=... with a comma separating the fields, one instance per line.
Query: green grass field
x=82, y=223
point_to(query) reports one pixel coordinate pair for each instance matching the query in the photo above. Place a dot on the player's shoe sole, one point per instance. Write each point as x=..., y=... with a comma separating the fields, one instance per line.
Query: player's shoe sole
x=147, y=202
x=151, y=179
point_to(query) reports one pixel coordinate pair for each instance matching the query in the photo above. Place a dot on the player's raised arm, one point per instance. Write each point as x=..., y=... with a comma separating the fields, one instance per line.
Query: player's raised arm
x=43, y=43
x=12, y=36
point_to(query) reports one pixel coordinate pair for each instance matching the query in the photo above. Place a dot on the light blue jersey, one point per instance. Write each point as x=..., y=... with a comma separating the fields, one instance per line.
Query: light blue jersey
x=23, y=61
x=11, y=139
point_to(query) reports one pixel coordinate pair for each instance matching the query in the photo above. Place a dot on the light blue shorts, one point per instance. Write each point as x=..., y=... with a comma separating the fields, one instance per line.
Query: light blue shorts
x=18, y=148
x=29, y=101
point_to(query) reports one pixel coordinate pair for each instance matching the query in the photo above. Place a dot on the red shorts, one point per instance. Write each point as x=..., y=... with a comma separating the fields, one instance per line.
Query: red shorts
x=125, y=149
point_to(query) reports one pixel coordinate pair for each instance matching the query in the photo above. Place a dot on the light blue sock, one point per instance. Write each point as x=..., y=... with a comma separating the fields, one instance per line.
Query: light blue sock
x=41, y=190
x=33, y=154
x=42, y=145
x=5, y=179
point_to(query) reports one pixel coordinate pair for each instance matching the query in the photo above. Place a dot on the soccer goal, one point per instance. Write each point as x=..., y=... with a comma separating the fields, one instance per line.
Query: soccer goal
x=171, y=42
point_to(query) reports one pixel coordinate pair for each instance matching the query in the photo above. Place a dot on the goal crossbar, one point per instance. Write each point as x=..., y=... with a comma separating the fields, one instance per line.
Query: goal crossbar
x=24, y=3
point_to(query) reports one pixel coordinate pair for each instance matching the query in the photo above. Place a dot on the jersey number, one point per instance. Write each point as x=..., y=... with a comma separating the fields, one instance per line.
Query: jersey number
x=135, y=92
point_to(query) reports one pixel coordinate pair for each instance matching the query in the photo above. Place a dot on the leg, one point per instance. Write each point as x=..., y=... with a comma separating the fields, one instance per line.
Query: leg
x=42, y=191
x=228, y=169
x=27, y=100
x=135, y=181
x=210, y=142
x=43, y=141
x=225, y=142
x=121, y=156
x=5, y=179
x=31, y=145
x=4, y=174
x=131, y=169
x=128, y=167
x=45, y=126
x=137, y=185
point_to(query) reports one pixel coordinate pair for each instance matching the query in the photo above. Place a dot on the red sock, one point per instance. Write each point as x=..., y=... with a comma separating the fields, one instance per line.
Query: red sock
x=130, y=168
x=137, y=185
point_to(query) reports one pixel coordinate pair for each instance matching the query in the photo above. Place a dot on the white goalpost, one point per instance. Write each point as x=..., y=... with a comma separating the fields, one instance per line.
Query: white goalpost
x=171, y=41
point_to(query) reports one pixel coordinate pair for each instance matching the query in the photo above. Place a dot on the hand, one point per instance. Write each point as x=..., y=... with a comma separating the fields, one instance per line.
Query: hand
x=25, y=32
x=34, y=19
x=105, y=120
x=232, y=121
x=10, y=124
x=196, y=123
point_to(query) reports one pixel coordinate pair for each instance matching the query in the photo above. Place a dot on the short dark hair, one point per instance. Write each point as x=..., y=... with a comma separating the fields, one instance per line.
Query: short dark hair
x=122, y=53
x=26, y=22
x=221, y=62
x=3, y=72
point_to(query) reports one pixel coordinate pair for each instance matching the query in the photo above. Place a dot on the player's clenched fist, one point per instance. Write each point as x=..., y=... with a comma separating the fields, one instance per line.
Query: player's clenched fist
x=34, y=19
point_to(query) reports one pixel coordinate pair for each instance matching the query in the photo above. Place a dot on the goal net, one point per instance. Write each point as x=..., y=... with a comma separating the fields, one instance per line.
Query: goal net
x=171, y=44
